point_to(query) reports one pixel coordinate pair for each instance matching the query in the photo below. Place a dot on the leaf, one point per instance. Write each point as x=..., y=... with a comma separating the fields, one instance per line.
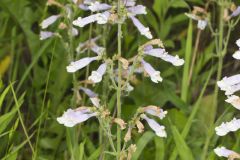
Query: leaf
x=179, y=4
x=160, y=150
x=95, y=154
x=4, y=93
x=141, y=144
x=182, y=148
x=4, y=64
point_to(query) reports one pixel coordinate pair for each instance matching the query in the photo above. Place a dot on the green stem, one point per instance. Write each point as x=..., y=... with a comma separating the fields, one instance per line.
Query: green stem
x=119, y=82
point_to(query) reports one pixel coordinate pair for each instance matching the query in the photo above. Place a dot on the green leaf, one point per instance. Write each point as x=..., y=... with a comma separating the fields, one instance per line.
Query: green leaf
x=95, y=154
x=4, y=93
x=141, y=144
x=179, y=4
x=182, y=148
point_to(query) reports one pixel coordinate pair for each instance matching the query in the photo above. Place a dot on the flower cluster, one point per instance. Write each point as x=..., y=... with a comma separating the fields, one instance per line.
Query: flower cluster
x=230, y=85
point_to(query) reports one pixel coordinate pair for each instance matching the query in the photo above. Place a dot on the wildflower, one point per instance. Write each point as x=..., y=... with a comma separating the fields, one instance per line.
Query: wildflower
x=72, y=117
x=97, y=49
x=155, y=111
x=161, y=53
x=202, y=24
x=158, y=129
x=129, y=3
x=74, y=31
x=129, y=88
x=97, y=6
x=49, y=21
x=236, y=12
x=236, y=55
x=223, y=152
x=230, y=84
x=135, y=10
x=234, y=100
x=93, y=96
x=227, y=127
x=141, y=28
x=45, y=35
x=154, y=75
x=96, y=76
x=74, y=66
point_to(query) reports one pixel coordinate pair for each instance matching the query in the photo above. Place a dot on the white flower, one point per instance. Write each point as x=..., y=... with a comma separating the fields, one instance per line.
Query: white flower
x=202, y=24
x=234, y=100
x=74, y=66
x=135, y=10
x=97, y=49
x=143, y=30
x=223, y=152
x=154, y=75
x=102, y=18
x=238, y=43
x=236, y=55
x=230, y=84
x=45, y=35
x=74, y=31
x=97, y=75
x=95, y=101
x=129, y=3
x=49, y=21
x=158, y=129
x=72, y=117
x=81, y=22
x=161, y=53
x=129, y=87
x=97, y=6
x=227, y=127
x=89, y=92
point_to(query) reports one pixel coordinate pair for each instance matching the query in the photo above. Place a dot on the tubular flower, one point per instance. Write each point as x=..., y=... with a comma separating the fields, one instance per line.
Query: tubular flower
x=75, y=66
x=45, y=35
x=158, y=129
x=230, y=84
x=97, y=6
x=72, y=117
x=155, y=111
x=161, y=53
x=93, y=96
x=135, y=10
x=202, y=24
x=154, y=75
x=49, y=21
x=236, y=55
x=223, y=152
x=234, y=101
x=141, y=28
x=97, y=75
x=227, y=127
x=236, y=12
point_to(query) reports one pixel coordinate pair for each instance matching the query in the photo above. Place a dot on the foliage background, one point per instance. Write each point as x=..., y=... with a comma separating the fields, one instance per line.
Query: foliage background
x=28, y=65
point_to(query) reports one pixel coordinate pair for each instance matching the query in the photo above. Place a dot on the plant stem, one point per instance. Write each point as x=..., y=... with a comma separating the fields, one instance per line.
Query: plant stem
x=119, y=82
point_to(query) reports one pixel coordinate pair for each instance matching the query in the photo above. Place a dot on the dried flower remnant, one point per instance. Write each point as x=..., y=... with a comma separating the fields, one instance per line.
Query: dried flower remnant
x=234, y=101
x=128, y=135
x=157, y=128
x=223, y=152
x=72, y=117
x=140, y=126
x=120, y=122
x=227, y=127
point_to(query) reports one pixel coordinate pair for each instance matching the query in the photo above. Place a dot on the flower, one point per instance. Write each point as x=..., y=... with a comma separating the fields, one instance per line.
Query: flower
x=202, y=24
x=155, y=111
x=135, y=10
x=129, y=3
x=154, y=75
x=97, y=6
x=45, y=35
x=230, y=84
x=49, y=21
x=72, y=117
x=238, y=43
x=236, y=12
x=236, y=55
x=223, y=152
x=158, y=129
x=143, y=30
x=227, y=127
x=96, y=76
x=93, y=96
x=74, y=66
x=234, y=100
x=161, y=53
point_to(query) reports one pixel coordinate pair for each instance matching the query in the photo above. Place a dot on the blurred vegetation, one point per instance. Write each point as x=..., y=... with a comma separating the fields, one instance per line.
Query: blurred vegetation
x=35, y=87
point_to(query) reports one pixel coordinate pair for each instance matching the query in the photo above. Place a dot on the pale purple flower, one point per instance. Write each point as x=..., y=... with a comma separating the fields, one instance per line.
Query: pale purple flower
x=97, y=49
x=88, y=92
x=230, y=84
x=97, y=75
x=83, y=46
x=102, y=18
x=49, y=21
x=160, y=114
x=154, y=75
x=236, y=12
x=72, y=117
x=223, y=152
x=45, y=35
x=234, y=101
x=157, y=128
x=81, y=22
x=97, y=6
x=227, y=127
x=74, y=31
x=129, y=3
x=161, y=53
x=141, y=28
x=74, y=66
x=135, y=10
x=202, y=24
